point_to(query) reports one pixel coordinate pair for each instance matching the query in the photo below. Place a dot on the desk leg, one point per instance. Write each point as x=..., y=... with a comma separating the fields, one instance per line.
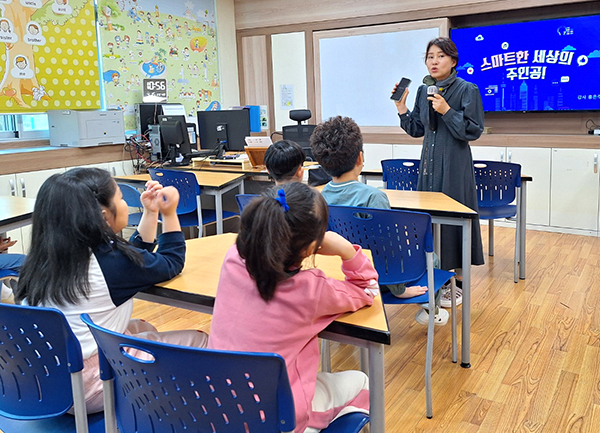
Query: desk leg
x=523, y=229
x=466, y=304
x=219, y=211
x=376, y=388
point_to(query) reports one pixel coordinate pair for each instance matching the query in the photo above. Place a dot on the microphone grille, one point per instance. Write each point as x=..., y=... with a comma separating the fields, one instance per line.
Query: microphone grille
x=432, y=90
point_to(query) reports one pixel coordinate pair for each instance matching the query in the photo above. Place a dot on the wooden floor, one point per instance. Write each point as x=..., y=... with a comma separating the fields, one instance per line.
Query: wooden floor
x=535, y=346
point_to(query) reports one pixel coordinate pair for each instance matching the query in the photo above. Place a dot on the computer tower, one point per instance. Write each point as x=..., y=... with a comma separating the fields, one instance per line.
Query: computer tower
x=155, y=142
x=146, y=114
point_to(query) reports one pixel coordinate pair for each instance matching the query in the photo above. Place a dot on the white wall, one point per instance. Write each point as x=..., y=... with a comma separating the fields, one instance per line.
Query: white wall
x=230, y=89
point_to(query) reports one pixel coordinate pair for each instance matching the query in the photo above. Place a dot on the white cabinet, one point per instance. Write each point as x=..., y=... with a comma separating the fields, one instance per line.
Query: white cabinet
x=488, y=153
x=574, y=189
x=535, y=162
x=407, y=151
x=121, y=168
x=8, y=187
x=374, y=154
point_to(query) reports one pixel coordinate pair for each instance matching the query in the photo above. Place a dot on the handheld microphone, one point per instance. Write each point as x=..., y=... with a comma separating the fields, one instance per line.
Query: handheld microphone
x=432, y=90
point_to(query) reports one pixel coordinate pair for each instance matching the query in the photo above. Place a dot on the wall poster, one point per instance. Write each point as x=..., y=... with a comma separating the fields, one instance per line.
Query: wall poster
x=175, y=40
x=48, y=55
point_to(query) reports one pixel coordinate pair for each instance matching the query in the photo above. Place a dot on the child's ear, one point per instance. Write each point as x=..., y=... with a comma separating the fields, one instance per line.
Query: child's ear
x=310, y=249
x=299, y=173
x=361, y=158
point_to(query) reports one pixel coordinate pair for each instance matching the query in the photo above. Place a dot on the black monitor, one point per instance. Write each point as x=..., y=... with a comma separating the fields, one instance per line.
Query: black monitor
x=226, y=128
x=175, y=140
x=301, y=135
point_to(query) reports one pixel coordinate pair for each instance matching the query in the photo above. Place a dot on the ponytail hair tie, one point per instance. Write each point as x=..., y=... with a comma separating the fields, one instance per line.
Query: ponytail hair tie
x=281, y=200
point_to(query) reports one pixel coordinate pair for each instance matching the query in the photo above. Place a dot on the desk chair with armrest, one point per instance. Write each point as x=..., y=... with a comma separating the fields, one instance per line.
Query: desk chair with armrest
x=191, y=389
x=40, y=361
x=189, y=209
x=497, y=184
x=401, y=244
x=400, y=174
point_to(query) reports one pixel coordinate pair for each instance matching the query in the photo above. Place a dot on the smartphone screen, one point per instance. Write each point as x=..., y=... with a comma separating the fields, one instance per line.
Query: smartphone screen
x=402, y=86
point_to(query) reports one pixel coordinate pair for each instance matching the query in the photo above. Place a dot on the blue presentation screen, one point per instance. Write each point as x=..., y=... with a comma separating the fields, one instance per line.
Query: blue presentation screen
x=533, y=66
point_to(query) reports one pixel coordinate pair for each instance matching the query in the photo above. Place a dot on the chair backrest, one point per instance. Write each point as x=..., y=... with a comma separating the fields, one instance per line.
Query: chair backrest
x=38, y=353
x=185, y=182
x=401, y=174
x=244, y=199
x=196, y=389
x=496, y=182
x=398, y=240
x=131, y=195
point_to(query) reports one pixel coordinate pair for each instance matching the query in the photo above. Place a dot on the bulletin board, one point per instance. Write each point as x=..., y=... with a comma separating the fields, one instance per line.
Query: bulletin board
x=356, y=69
x=171, y=39
x=49, y=57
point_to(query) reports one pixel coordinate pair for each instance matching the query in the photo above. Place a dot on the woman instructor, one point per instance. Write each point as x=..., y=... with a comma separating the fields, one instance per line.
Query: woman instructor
x=448, y=113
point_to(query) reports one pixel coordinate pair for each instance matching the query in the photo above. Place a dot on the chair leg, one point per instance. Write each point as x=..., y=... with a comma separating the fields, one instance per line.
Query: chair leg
x=517, y=259
x=325, y=356
x=454, y=326
x=491, y=237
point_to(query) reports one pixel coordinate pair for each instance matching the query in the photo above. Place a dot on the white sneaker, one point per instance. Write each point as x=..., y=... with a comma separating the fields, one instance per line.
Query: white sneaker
x=446, y=299
x=440, y=319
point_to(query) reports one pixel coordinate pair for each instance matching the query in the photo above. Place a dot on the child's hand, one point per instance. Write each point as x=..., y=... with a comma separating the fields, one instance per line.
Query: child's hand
x=149, y=197
x=335, y=245
x=6, y=244
x=168, y=199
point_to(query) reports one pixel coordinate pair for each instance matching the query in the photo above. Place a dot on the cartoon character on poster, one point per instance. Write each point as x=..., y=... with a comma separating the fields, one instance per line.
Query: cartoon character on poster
x=62, y=7
x=21, y=68
x=7, y=35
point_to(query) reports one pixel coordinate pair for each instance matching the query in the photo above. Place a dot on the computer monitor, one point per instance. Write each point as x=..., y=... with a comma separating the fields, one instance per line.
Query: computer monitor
x=225, y=128
x=174, y=138
x=301, y=135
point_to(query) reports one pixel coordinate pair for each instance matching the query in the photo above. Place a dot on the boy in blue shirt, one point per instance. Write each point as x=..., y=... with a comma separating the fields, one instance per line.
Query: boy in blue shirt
x=337, y=144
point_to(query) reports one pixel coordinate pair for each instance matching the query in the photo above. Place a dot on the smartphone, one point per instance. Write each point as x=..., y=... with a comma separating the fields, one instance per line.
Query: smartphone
x=402, y=86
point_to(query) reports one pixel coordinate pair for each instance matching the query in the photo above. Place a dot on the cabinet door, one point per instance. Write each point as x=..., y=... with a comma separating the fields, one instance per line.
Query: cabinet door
x=407, y=151
x=574, y=189
x=8, y=187
x=28, y=185
x=8, y=184
x=488, y=153
x=374, y=153
x=535, y=162
x=121, y=168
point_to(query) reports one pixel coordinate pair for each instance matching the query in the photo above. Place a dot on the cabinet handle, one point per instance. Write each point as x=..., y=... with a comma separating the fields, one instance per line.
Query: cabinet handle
x=13, y=190
x=114, y=171
x=501, y=155
x=23, y=190
x=595, y=163
x=510, y=156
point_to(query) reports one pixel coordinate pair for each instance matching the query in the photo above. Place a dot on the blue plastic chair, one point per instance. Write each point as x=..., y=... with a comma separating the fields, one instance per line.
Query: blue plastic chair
x=497, y=184
x=187, y=388
x=401, y=245
x=400, y=174
x=133, y=199
x=244, y=199
x=40, y=361
x=189, y=209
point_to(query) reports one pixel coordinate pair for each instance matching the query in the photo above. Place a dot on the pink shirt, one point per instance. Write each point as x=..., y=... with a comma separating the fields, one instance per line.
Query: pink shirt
x=303, y=306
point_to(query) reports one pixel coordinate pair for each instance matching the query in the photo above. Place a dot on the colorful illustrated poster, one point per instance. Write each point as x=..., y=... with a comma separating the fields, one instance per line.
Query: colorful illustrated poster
x=175, y=40
x=49, y=56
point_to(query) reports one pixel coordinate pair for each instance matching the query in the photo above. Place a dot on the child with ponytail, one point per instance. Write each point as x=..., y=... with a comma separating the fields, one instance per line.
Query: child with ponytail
x=266, y=301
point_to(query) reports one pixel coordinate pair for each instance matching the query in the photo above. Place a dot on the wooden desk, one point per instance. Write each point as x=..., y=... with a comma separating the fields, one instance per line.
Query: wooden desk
x=15, y=212
x=196, y=287
x=446, y=210
x=521, y=217
x=215, y=184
